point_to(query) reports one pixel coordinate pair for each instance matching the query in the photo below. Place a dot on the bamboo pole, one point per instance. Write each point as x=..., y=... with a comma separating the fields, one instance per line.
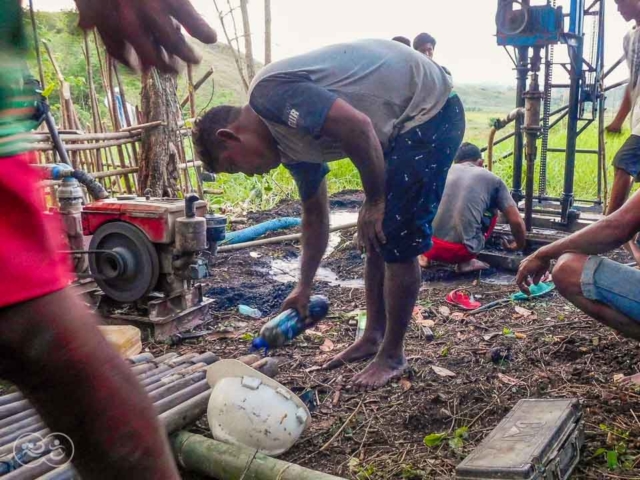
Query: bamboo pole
x=142, y=126
x=83, y=147
x=223, y=461
x=117, y=125
x=83, y=137
x=192, y=108
x=127, y=118
x=95, y=110
x=36, y=42
x=234, y=52
x=196, y=87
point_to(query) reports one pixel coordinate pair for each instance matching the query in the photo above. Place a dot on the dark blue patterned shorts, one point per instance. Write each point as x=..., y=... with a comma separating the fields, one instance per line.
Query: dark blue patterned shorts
x=417, y=166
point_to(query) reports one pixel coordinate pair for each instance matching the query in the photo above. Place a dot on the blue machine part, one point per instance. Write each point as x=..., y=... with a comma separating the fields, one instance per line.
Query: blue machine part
x=529, y=26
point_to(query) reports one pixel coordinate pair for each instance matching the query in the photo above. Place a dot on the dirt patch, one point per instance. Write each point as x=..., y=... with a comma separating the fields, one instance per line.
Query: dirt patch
x=558, y=353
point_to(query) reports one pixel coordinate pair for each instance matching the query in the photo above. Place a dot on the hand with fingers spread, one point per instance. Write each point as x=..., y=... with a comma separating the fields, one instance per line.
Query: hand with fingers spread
x=370, y=233
x=532, y=270
x=149, y=27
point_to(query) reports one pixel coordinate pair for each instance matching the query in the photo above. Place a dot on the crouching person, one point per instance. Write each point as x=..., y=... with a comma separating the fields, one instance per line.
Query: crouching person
x=603, y=289
x=468, y=213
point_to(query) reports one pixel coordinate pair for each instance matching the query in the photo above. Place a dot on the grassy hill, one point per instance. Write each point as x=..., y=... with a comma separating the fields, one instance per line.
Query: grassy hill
x=482, y=102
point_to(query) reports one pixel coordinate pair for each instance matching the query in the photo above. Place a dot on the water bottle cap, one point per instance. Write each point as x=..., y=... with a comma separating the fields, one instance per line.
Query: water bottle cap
x=259, y=343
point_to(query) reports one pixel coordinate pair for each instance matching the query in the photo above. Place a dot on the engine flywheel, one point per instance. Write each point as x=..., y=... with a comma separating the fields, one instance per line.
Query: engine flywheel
x=130, y=267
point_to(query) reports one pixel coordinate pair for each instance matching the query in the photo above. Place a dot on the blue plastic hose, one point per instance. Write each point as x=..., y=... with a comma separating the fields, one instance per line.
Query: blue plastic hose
x=252, y=233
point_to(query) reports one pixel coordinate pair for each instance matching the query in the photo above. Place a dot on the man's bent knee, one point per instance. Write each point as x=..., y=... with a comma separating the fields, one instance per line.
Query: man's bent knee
x=567, y=273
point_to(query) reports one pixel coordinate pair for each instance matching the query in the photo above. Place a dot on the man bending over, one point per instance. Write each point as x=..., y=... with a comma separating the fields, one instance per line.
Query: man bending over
x=390, y=110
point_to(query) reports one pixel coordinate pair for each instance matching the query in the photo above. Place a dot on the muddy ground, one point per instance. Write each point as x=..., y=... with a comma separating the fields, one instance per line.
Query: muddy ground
x=552, y=350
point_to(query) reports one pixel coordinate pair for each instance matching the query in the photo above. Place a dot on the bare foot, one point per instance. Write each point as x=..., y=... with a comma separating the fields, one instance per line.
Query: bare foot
x=633, y=379
x=423, y=261
x=379, y=372
x=474, y=265
x=361, y=349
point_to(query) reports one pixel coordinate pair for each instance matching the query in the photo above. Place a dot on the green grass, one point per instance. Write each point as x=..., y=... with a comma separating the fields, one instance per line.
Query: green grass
x=266, y=191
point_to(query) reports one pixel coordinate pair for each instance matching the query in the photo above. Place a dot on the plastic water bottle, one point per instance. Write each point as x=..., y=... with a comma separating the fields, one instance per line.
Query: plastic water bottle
x=289, y=324
x=249, y=312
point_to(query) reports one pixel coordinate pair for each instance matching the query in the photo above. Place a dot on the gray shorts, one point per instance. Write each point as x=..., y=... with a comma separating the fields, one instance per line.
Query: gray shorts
x=628, y=157
x=613, y=284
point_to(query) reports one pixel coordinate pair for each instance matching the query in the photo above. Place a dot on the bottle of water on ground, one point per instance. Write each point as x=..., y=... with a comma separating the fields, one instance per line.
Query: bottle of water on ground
x=289, y=324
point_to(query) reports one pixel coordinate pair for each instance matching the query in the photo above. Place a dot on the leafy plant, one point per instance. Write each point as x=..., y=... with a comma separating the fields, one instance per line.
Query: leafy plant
x=616, y=453
x=507, y=332
x=455, y=441
x=435, y=439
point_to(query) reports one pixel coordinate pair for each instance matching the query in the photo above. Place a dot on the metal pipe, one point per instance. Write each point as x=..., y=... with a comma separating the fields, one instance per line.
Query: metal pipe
x=499, y=125
x=576, y=48
x=182, y=396
x=12, y=437
x=532, y=128
x=36, y=471
x=176, y=386
x=10, y=398
x=518, y=144
x=18, y=417
x=12, y=409
x=613, y=67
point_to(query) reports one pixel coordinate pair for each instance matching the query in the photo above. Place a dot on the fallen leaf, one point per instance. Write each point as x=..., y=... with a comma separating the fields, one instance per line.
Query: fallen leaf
x=327, y=346
x=618, y=377
x=405, y=384
x=222, y=335
x=324, y=327
x=457, y=316
x=489, y=336
x=523, y=311
x=595, y=341
x=444, y=311
x=314, y=333
x=520, y=336
x=426, y=323
x=254, y=255
x=443, y=372
x=509, y=380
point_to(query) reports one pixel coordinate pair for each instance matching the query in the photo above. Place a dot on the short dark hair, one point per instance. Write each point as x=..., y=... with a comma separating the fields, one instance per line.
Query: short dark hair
x=468, y=152
x=402, y=39
x=422, y=39
x=207, y=145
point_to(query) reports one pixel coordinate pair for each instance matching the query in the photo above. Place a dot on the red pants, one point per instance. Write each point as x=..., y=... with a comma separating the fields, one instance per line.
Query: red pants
x=454, y=253
x=30, y=265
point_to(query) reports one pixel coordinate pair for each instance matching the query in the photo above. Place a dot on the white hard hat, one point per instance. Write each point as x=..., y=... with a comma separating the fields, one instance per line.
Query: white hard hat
x=248, y=408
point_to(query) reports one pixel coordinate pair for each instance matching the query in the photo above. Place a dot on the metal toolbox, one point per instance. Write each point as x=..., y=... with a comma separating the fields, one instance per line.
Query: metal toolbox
x=537, y=440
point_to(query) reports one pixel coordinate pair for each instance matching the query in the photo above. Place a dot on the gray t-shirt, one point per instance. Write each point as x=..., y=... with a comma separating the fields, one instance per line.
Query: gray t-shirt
x=470, y=191
x=395, y=86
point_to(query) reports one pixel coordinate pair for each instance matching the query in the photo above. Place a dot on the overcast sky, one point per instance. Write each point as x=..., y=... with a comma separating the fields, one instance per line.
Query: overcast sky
x=464, y=29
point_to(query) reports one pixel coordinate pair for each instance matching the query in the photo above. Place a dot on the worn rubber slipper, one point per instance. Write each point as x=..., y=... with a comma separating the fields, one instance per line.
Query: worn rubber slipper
x=463, y=299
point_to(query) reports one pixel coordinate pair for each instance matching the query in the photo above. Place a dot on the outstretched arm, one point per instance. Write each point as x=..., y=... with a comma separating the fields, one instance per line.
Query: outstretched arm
x=315, y=237
x=601, y=237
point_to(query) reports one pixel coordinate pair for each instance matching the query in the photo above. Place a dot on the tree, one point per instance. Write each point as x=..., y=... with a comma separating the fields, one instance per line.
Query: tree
x=267, y=32
x=159, y=154
x=248, y=44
